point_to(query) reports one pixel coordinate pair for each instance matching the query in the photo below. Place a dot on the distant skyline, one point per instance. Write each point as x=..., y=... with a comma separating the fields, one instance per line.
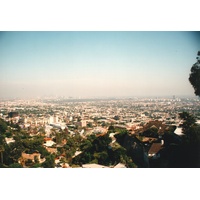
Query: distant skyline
x=96, y=64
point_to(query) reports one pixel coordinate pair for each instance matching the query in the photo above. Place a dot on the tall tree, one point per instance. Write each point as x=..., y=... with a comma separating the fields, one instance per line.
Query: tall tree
x=194, y=77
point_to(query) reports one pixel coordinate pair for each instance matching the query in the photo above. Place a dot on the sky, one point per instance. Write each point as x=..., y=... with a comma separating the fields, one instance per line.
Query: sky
x=96, y=64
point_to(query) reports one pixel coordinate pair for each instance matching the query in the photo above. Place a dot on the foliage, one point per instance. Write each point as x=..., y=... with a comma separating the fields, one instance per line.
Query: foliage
x=94, y=148
x=151, y=132
x=15, y=165
x=42, y=150
x=100, y=151
x=8, y=134
x=3, y=126
x=171, y=138
x=32, y=144
x=188, y=121
x=36, y=165
x=111, y=129
x=194, y=77
x=186, y=152
x=121, y=136
x=49, y=162
x=23, y=143
x=87, y=144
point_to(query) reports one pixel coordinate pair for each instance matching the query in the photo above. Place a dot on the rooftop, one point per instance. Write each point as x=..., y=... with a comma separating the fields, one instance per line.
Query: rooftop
x=93, y=165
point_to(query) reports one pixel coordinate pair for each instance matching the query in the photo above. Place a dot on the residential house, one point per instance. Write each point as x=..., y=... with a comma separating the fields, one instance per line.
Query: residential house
x=51, y=150
x=48, y=142
x=154, y=151
x=25, y=157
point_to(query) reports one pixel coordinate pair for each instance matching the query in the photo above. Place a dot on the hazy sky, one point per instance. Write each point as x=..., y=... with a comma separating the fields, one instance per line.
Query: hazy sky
x=86, y=64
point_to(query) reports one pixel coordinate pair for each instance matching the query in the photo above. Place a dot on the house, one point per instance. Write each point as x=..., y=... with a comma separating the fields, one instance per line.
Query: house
x=25, y=157
x=65, y=165
x=51, y=150
x=154, y=151
x=48, y=142
x=9, y=140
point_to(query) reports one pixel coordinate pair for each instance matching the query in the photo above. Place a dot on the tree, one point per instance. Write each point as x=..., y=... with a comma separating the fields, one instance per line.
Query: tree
x=188, y=153
x=121, y=136
x=194, y=77
x=102, y=157
x=3, y=126
x=188, y=121
x=111, y=129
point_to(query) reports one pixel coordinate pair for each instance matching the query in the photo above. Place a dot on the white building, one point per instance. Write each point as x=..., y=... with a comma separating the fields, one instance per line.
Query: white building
x=48, y=130
x=49, y=143
x=9, y=140
x=51, y=120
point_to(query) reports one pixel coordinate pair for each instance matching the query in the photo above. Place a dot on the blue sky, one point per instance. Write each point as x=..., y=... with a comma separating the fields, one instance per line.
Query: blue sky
x=100, y=64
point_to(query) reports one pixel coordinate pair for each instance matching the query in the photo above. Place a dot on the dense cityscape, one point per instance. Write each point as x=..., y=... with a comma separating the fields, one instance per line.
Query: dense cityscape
x=64, y=132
